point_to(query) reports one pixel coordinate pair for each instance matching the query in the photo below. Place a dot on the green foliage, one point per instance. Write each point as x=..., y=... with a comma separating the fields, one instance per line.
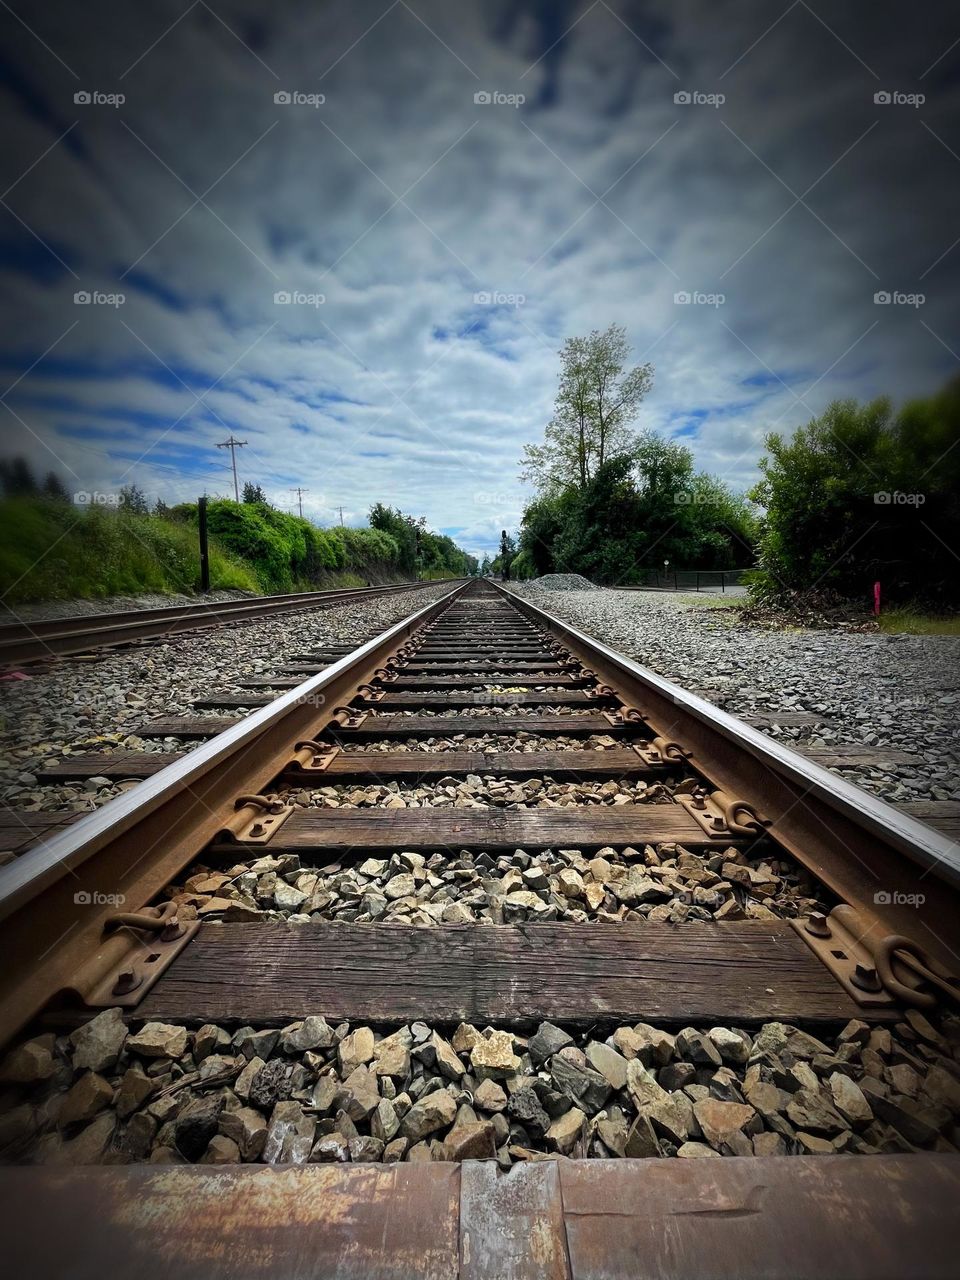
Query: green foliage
x=403, y=529
x=53, y=487
x=51, y=550
x=639, y=509
x=253, y=493
x=522, y=566
x=862, y=494
x=133, y=500
x=434, y=554
x=597, y=399
x=16, y=478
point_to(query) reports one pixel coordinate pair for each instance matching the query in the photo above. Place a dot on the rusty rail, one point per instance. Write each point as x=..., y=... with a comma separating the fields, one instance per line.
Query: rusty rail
x=132, y=846
x=868, y=853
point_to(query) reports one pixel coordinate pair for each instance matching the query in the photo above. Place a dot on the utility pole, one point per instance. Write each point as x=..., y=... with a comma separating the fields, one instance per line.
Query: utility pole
x=233, y=446
x=341, y=517
x=300, y=492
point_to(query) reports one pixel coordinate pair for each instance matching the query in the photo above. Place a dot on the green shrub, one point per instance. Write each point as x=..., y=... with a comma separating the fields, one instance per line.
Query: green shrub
x=54, y=551
x=50, y=549
x=523, y=566
x=864, y=494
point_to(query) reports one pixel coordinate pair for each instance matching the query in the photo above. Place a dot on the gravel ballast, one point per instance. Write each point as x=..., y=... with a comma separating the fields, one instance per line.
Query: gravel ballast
x=669, y=884
x=83, y=707
x=312, y=1092
x=895, y=692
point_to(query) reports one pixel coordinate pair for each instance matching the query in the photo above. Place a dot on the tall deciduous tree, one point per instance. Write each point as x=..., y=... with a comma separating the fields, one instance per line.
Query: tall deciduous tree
x=597, y=399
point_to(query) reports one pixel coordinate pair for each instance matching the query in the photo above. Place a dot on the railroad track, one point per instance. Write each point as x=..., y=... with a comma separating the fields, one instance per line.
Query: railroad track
x=22, y=642
x=475, y=893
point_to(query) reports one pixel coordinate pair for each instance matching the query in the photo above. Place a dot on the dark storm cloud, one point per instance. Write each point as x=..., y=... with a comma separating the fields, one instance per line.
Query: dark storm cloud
x=402, y=201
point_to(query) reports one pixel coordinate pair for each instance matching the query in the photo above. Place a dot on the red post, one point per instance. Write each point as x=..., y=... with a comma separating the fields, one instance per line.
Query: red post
x=876, y=599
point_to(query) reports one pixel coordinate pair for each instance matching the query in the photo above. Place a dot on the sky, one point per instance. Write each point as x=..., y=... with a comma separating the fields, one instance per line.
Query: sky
x=355, y=234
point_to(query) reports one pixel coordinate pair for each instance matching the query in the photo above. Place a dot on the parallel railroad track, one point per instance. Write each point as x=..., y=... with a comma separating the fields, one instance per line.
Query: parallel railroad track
x=483, y=690
x=26, y=641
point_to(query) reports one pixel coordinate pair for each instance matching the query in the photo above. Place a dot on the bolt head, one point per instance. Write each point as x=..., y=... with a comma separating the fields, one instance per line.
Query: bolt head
x=817, y=925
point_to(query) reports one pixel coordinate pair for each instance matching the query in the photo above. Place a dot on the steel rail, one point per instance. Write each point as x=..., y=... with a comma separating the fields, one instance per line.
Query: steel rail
x=860, y=847
x=856, y=845
x=134, y=844
x=25, y=641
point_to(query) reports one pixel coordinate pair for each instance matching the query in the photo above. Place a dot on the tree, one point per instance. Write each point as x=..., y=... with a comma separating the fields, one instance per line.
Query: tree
x=400, y=527
x=863, y=494
x=53, y=487
x=637, y=509
x=597, y=399
x=543, y=522
x=253, y=493
x=160, y=508
x=484, y=566
x=133, y=500
x=16, y=478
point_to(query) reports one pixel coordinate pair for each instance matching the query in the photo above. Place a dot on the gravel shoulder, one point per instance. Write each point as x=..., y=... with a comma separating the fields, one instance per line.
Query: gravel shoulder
x=897, y=692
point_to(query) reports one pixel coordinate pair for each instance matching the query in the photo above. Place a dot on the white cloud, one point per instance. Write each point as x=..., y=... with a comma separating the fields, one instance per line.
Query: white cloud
x=399, y=387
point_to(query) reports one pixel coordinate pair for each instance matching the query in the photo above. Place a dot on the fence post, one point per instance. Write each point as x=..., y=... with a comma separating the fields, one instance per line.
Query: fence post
x=723, y=584
x=204, y=546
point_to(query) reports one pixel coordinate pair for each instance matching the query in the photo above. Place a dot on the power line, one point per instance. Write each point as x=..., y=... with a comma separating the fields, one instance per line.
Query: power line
x=300, y=492
x=233, y=446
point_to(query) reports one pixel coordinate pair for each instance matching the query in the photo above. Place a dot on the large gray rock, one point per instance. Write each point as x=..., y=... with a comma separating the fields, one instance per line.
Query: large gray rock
x=290, y=1135
x=159, y=1040
x=581, y=1085
x=611, y=1064
x=311, y=1033
x=247, y=1128
x=97, y=1044
x=434, y=1112
x=86, y=1098
x=849, y=1101
x=547, y=1041
x=29, y=1062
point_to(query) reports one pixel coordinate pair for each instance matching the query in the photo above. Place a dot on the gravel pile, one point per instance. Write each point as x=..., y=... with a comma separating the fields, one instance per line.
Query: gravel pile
x=564, y=582
x=897, y=692
x=311, y=1092
x=674, y=885
x=85, y=707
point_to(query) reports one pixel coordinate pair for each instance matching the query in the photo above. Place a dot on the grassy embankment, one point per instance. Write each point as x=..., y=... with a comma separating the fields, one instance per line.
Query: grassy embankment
x=53, y=550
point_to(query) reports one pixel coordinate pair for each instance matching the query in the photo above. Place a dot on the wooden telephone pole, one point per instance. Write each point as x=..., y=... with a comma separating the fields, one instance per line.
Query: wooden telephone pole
x=233, y=446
